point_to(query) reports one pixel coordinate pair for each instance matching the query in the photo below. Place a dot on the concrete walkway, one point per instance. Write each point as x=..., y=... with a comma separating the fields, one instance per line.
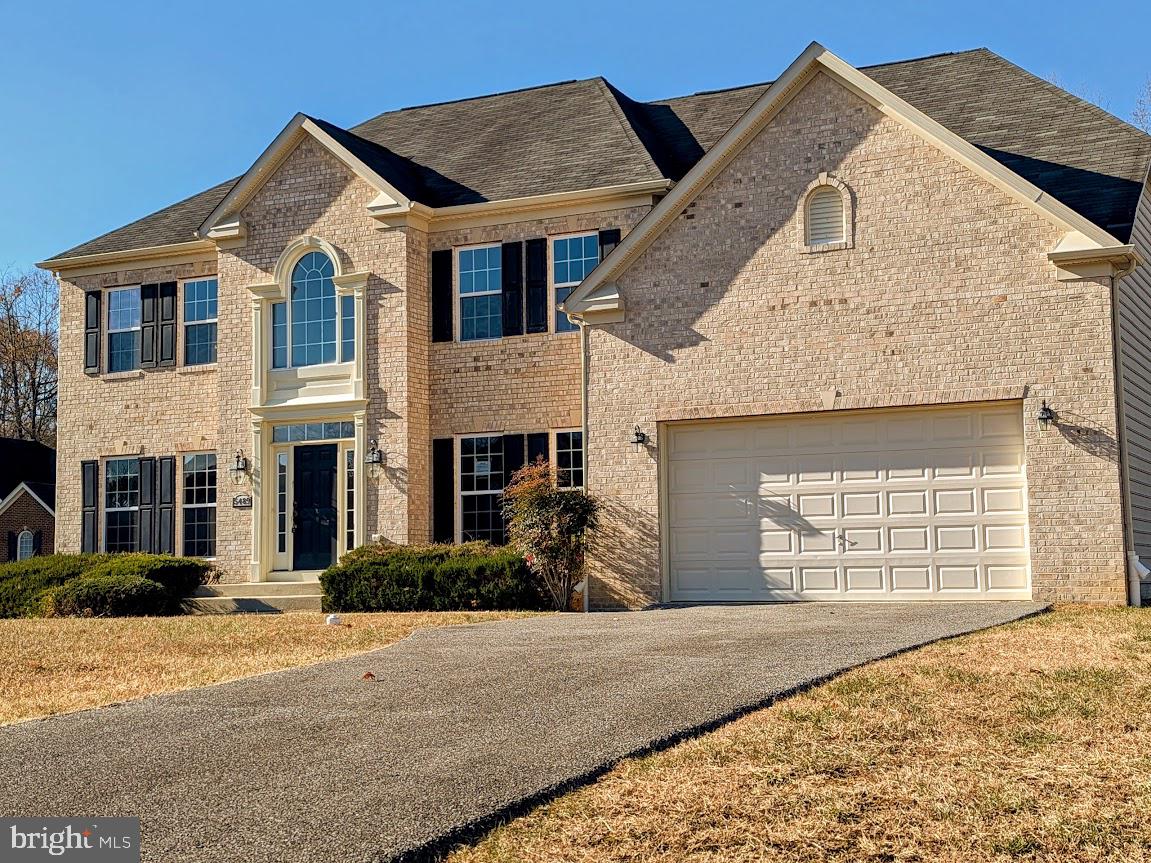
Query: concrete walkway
x=461, y=725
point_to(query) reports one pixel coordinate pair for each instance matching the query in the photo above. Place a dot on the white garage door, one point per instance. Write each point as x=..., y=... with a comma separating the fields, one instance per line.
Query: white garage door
x=869, y=505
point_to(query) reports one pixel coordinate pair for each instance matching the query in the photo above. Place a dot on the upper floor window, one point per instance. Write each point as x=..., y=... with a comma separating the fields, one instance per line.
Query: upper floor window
x=313, y=311
x=572, y=259
x=481, y=298
x=200, y=321
x=123, y=329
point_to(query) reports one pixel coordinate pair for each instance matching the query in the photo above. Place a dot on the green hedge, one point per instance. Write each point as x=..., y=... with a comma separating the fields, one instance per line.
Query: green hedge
x=107, y=596
x=474, y=576
x=22, y=584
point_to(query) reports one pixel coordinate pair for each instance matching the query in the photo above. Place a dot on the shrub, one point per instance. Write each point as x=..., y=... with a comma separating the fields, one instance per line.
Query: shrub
x=22, y=582
x=549, y=525
x=179, y=576
x=474, y=576
x=107, y=596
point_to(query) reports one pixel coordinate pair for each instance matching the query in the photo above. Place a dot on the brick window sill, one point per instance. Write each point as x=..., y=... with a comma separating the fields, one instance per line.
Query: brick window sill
x=197, y=370
x=122, y=376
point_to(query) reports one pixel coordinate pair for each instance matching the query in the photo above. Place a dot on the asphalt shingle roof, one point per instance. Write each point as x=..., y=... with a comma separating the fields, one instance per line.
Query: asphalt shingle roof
x=587, y=134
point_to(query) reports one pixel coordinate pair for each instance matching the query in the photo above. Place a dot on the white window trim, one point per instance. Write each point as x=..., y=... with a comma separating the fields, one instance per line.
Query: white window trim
x=554, y=285
x=186, y=506
x=185, y=323
x=20, y=537
x=108, y=330
x=556, y=456
x=458, y=317
x=104, y=509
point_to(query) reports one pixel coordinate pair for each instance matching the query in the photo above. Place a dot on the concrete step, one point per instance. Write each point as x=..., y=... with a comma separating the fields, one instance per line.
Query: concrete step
x=261, y=589
x=251, y=604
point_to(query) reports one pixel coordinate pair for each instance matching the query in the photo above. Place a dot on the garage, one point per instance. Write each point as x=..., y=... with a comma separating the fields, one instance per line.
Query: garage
x=891, y=504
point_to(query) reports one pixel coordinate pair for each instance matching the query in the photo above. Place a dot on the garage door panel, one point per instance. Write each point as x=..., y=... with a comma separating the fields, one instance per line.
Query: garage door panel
x=877, y=505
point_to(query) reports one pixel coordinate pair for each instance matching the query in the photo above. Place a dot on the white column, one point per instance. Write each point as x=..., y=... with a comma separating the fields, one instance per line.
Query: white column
x=259, y=570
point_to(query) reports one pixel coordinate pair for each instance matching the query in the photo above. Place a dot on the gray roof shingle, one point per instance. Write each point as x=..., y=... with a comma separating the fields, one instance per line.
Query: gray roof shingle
x=587, y=134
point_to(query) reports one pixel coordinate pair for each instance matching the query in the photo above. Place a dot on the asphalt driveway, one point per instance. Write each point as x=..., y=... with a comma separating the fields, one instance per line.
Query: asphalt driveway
x=461, y=724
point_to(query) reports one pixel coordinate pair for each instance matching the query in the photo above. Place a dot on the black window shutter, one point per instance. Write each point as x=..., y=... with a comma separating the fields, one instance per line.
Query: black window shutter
x=166, y=338
x=38, y=542
x=443, y=490
x=536, y=285
x=147, y=504
x=92, y=333
x=442, y=300
x=537, y=447
x=164, y=541
x=608, y=240
x=89, y=485
x=12, y=540
x=149, y=311
x=512, y=288
x=513, y=455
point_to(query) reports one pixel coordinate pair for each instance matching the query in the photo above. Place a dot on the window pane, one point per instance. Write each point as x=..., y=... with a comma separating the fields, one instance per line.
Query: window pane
x=347, y=329
x=481, y=311
x=563, y=325
x=121, y=483
x=279, y=335
x=121, y=530
x=482, y=519
x=282, y=502
x=481, y=317
x=569, y=459
x=199, y=344
x=25, y=545
x=573, y=258
x=200, y=505
x=350, y=501
x=123, y=351
x=313, y=311
x=200, y=300
x=124, y=309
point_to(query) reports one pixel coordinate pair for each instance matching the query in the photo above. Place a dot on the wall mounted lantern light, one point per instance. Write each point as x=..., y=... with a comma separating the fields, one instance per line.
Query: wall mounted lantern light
x=239, y=469
x=638, y=439
x=1046, y=415
x=375, y=459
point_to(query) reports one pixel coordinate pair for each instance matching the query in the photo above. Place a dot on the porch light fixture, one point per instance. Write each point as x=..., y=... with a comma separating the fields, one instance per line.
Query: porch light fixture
x=239, y=469
x=638, y=439
x=1046, y=415
x=375, y=458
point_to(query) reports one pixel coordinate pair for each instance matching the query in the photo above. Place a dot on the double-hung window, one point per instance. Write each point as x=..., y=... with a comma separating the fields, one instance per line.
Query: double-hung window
x=306, y=330
x=121, y=504
x=200, y=321
x=200, y=505
x=25, y=545
x=481, y=297
x=123, y=329
x=572, y=259
x=481, y=485
x=569, y=459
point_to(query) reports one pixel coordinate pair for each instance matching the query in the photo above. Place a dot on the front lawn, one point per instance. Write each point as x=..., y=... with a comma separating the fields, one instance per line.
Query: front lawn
x=58, y=665
x=1027, y=742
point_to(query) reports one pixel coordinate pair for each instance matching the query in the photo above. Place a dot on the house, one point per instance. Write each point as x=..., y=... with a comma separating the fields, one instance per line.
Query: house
x=27, y=498
x=867, y=334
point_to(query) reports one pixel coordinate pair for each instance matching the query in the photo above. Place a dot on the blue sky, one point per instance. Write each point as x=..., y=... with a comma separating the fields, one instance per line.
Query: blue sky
x=113, y=110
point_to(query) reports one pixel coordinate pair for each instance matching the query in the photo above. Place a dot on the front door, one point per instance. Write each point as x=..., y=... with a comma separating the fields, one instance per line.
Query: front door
x=314, y=516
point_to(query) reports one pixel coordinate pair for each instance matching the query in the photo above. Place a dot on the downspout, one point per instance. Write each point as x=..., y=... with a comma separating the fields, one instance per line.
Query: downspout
x=585, y=375
x=1131, y=559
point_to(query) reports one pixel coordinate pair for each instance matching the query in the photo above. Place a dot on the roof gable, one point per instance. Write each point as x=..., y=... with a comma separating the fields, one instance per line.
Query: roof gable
x=598, y=295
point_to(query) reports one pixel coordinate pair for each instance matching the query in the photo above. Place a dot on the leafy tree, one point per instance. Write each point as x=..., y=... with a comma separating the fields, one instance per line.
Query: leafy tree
x=29, y=312
x=549, y=526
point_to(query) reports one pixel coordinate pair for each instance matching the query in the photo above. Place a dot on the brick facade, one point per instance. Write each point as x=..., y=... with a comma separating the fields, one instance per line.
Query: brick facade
x=946, y=296
x=26, y=513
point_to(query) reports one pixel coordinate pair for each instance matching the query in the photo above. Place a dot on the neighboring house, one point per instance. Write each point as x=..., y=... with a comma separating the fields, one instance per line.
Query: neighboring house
x=27, y=498
x=831, y=312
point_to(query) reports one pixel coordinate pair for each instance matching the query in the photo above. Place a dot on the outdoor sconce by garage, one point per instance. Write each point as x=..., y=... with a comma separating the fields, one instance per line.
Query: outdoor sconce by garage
x=638, y=439
x=1046, y=416
x=375, y=459
x=239, y=469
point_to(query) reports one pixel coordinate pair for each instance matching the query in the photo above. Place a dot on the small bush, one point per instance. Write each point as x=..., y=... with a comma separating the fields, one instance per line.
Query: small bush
x=107, y=596
x=22, y=582
x=473, y=576
x=179, y=576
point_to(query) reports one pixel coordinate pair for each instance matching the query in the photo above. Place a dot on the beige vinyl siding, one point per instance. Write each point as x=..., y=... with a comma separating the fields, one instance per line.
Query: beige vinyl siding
x=1134, y=302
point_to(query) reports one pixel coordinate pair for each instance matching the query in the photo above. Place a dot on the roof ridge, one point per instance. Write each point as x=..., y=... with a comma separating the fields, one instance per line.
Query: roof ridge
x=472, y=99
x=611, y=95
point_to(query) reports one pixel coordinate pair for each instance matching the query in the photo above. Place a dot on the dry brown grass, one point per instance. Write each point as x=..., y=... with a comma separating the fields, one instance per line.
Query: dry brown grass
x=61, y=665
x=1030, y=742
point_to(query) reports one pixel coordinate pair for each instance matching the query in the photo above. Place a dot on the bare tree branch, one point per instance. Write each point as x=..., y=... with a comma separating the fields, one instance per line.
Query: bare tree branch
x=29, y=341
x=1141, y=113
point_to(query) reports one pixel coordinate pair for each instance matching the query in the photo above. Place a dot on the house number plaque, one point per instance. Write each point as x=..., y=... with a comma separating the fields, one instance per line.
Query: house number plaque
x=242, y=501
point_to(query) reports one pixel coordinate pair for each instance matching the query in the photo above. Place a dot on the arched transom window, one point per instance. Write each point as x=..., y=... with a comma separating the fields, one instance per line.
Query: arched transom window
x=311, y=326
x=825, y=216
